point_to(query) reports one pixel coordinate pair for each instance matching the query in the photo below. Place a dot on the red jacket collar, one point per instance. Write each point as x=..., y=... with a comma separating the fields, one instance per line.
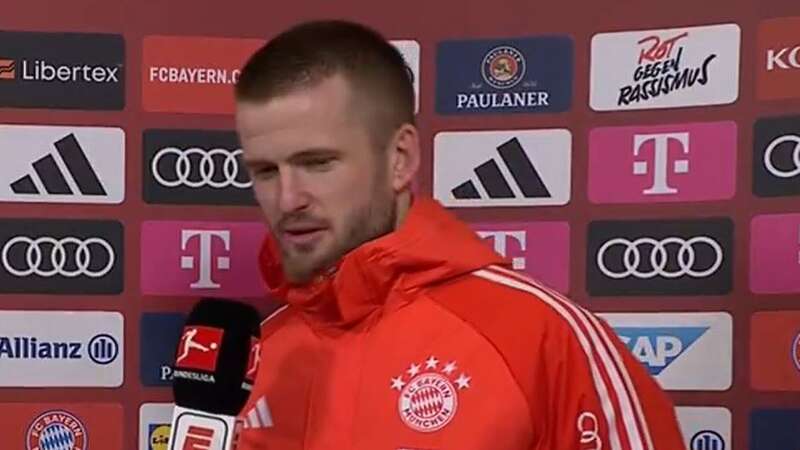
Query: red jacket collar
x=429, y=247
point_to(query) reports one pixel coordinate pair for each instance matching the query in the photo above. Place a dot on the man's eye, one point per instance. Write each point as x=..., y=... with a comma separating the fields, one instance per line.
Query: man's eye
x=318, y=163
x=266, y=172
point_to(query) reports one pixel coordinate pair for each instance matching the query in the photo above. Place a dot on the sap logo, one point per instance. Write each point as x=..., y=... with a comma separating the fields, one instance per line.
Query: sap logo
x=658, y=347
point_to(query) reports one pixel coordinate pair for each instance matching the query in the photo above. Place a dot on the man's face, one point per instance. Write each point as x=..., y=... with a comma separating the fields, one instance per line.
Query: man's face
x=322, y=186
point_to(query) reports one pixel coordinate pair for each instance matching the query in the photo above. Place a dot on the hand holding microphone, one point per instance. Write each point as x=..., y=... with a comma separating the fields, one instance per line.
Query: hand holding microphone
x=215, y=366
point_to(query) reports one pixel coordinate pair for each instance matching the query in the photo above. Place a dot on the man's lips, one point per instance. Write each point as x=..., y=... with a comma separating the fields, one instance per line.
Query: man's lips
x=301, y=235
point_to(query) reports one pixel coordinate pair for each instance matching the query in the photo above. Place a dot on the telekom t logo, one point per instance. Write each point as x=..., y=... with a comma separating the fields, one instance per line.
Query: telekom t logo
x=658, y=167
x=500, y=240
x=205, y=270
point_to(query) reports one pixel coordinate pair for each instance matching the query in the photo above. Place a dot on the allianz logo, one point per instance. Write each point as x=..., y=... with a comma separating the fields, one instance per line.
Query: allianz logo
x=102, y=349
x=658, y=347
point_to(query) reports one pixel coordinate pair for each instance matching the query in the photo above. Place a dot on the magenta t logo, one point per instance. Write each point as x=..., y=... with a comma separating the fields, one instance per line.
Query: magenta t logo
x=665, y=163
x=539, y=249
x=201, y=258
x=775, y=253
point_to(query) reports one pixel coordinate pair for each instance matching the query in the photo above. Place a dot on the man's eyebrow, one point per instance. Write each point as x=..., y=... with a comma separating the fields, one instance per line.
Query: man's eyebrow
x=313, y=152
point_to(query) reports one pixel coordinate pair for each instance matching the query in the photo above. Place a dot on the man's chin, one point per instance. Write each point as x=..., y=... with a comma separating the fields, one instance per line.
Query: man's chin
x=301, y=267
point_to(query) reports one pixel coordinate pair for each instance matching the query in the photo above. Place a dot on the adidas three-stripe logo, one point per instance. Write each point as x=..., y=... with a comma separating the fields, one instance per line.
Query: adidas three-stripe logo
x=502, y=168
x=495, y=183
x=52, y=178
x=62, y=164
x=259, y=416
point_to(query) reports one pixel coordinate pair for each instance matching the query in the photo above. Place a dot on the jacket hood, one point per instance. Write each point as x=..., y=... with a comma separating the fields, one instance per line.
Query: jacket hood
x=429, y=247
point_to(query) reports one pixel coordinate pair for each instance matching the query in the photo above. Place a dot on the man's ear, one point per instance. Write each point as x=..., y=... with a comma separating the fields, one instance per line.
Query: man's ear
x=404, y=157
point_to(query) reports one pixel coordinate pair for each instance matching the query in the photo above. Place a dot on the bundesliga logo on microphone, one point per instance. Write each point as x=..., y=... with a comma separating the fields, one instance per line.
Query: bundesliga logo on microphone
x=253, y=361
x=198, y=349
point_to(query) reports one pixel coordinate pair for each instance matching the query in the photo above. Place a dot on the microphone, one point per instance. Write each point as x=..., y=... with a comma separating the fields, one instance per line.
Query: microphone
x=215, y=367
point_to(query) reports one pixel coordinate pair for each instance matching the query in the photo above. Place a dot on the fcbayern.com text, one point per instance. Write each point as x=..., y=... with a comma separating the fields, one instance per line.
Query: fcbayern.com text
x=193, y=75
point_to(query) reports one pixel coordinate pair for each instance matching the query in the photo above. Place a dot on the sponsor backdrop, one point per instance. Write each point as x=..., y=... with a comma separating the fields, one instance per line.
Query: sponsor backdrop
x=643, y=158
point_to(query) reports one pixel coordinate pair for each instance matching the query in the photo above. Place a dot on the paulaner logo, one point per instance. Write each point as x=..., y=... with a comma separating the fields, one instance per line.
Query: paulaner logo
x=531, y=74
x=661, y=69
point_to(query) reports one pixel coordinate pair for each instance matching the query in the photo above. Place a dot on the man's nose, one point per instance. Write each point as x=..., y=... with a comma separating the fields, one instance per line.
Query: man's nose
x=292, y=195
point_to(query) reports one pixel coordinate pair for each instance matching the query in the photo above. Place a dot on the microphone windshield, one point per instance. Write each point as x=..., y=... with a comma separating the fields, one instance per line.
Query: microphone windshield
x=217, y=357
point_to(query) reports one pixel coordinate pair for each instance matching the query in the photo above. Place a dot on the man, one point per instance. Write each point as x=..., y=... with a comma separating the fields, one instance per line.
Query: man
x=402, y=329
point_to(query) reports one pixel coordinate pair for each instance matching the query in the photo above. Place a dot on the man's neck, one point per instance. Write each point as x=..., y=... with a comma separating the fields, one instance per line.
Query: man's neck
x=404, y=200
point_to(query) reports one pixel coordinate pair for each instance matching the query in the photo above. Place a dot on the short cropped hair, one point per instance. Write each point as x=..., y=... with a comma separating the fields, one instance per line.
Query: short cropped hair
x=311, y=52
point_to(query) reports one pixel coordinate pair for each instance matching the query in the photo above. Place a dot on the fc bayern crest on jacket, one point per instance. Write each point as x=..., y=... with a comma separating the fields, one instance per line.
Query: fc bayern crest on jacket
x=429, y=394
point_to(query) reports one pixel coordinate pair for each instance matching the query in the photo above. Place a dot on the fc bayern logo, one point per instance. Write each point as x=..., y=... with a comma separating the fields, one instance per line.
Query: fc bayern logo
x=56, y=430
x=503, y=67
x=796, y=351
x=429, y=401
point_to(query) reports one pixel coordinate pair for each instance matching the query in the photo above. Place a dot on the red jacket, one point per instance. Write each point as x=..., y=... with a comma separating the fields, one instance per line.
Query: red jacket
x=423, y=339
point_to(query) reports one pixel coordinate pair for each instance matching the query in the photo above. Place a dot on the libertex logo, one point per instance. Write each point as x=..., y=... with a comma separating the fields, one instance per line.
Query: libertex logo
x=665, y=68
x=665, y=163
x=779, y=58
x=8, y=69
x=192, y=74
x=62, y=70
x=201, y=258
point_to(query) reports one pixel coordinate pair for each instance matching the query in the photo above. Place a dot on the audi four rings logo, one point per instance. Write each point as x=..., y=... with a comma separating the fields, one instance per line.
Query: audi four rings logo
x=678, y=257
x=686, y=257
x=792, y=139
x=59, y=256
x=207, y=161
x=776, y=156
x=195, y=167
x=58, y=248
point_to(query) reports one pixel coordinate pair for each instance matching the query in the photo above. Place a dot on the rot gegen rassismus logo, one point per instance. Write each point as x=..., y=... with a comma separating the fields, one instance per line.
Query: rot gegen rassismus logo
x=665, y=68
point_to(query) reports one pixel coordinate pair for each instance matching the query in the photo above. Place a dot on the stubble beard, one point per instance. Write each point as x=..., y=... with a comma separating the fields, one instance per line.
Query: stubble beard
x=366, y=223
